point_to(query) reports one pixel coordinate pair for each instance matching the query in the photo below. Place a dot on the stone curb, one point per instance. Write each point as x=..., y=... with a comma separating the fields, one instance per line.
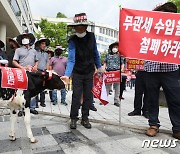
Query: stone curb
x=137, y=128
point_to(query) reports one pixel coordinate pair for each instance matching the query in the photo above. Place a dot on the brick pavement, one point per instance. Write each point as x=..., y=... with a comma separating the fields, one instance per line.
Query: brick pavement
x=55, y=137
x=51, y=128
x=109, y=113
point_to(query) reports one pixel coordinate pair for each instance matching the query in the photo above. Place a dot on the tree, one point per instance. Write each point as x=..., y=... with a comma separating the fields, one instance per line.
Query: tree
x=56, y=33
x=103, y=56
x=177, y=2
x=60, y=15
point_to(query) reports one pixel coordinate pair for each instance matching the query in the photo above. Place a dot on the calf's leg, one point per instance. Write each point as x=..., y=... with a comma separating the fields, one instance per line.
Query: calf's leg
x=27, y=120
x=13, y=118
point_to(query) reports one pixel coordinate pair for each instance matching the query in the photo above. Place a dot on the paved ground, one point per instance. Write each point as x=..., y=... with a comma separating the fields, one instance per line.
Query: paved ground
x=109, y=113
x=107, y=136
x=55, y=137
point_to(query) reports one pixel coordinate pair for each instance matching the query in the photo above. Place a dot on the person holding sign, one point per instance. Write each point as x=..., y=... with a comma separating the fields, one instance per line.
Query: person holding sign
x=166, y=76
x=112, y=63
x=82, y=57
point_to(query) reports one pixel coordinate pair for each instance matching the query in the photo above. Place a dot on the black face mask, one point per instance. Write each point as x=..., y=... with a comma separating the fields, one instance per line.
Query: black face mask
x=11, y=46
x=58, y=52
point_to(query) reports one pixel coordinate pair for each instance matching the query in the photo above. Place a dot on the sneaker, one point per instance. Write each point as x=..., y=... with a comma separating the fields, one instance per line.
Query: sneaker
x=73, y=124
x=43, y=104
x=86, y=123
x=64, y=103
x=54, y=103
x=117, y=104
x=133, y=113
x=92, y=107
x=33, y=111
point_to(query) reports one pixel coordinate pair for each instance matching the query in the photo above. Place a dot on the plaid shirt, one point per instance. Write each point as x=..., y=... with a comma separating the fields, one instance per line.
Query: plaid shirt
x=151, y=66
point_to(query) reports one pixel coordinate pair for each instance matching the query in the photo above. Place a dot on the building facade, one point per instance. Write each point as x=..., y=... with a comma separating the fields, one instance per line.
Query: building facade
x=105, y=35
x=15, y=18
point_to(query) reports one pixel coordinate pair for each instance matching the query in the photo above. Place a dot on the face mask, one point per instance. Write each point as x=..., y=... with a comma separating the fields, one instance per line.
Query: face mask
x=80, y=35
x=25, y=41
x=11, y=46
x=114, y=50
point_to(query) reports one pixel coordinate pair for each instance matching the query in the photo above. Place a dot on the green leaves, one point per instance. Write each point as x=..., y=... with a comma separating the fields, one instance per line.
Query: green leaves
x=177, y=2
x=56, y=33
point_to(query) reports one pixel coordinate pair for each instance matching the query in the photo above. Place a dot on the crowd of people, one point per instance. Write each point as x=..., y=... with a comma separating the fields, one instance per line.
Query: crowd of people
x=82, y=62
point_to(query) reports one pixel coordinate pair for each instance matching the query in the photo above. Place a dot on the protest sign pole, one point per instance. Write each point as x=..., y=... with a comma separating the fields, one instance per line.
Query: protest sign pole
x=120, y=74
x=119, y=97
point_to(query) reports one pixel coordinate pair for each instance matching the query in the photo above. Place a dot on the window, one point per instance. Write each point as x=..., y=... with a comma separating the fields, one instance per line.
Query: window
x=100, y=30
x=15, y=7
x=101, y=38
x=103, y=31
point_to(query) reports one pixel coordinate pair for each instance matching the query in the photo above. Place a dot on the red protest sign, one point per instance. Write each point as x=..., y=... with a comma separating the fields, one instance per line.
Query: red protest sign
x=150, y=35
x=112, y=76
x=99, y=89
x=135, y=64
x=14, y=78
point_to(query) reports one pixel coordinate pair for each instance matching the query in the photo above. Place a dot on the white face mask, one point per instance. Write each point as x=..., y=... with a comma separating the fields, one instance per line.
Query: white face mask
x=25, y=41
x=114, y=50
x=81, y=34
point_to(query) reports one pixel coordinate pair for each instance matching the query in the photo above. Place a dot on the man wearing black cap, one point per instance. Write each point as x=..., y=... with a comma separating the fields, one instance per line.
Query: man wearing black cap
x=82, y=59
x=166, y=76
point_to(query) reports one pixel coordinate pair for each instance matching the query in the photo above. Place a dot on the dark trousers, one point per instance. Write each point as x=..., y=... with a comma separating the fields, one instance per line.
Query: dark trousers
x=171, y=87
x=42, y=97
x=132, y=83
x=50, y=95
x=122, y=85
x=140, y=98
x=81, y=84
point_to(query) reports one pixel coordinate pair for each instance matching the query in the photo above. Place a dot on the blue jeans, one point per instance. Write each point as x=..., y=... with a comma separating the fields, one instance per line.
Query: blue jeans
x=63, y=95
x=33, y=103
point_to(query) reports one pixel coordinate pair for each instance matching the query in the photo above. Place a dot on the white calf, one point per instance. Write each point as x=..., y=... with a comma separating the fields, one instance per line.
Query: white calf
x=16, y=103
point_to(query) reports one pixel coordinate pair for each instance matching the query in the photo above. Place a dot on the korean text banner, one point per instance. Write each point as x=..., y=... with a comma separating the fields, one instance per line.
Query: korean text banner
x=135, y=64
x=150, y=35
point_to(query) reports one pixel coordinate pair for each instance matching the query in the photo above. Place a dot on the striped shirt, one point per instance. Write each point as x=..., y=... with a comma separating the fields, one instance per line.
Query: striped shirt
x=151, y=66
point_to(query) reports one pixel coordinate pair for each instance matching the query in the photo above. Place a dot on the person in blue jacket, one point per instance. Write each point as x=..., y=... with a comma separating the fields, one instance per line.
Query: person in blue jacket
x=82, y=59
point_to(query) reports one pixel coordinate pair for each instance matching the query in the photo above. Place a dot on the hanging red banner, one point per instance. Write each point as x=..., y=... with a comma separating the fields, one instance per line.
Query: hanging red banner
x=150, y=35
x=99, y=89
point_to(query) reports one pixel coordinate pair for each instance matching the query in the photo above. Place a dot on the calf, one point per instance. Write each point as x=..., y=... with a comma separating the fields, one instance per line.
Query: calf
x=37, y=82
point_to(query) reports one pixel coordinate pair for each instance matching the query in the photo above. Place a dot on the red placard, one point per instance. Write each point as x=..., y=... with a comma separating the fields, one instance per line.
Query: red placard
x=135, y=64
x=99, y=89
x=112, y=76
x=14, y=78
x=150, y=35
